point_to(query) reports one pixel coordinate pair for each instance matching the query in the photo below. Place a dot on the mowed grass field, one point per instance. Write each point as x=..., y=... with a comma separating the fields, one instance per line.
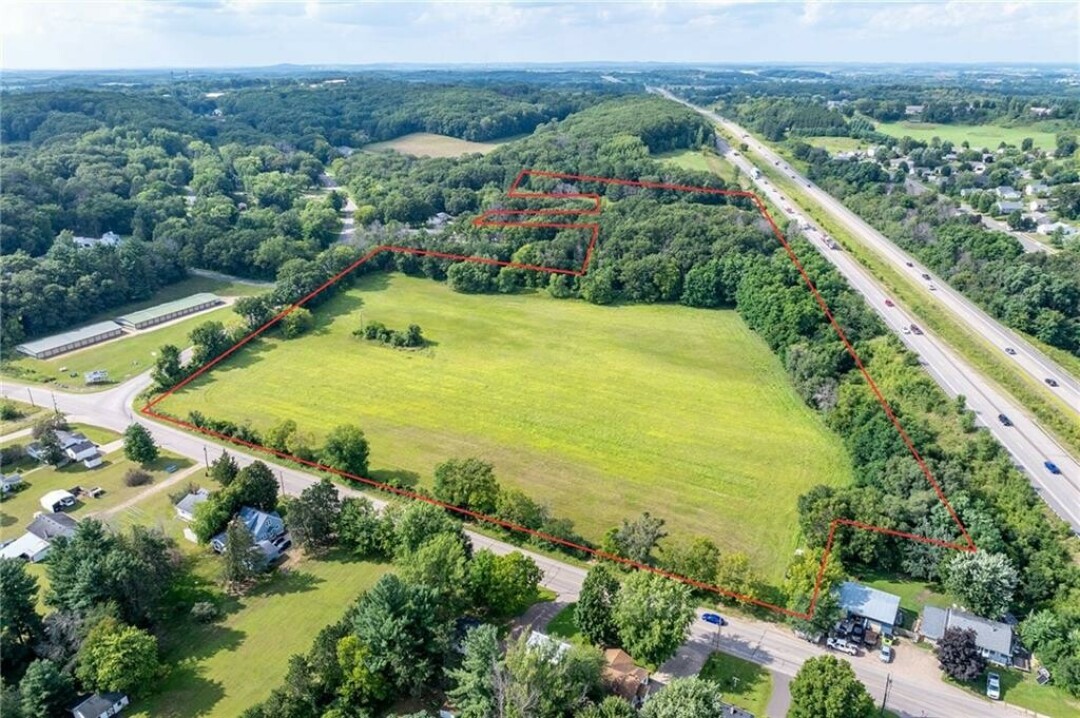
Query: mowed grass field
x=427, y=144
x=989, y=136
x=600, y=412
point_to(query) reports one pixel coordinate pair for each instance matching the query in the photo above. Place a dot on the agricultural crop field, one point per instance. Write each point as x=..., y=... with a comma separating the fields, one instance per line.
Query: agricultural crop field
x=989, y=136
x=601, y=412
x=426, y=144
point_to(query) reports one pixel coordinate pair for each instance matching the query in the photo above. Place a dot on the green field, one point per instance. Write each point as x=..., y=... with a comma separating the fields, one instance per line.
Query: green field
x=132, y=354
x=988, y=136
x=832, y=144
x=745, y=684
x=29, y=415
x=1020, y=689
x=701, y=161
x=601, y=412
x=426, y=144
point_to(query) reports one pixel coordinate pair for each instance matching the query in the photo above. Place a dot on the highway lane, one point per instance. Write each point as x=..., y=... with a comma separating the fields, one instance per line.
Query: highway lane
x=769, y=644
x=1025, y=441
x=1036, y=364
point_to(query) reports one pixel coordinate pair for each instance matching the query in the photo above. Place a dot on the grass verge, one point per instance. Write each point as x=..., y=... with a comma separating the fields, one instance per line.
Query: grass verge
x=745, y=684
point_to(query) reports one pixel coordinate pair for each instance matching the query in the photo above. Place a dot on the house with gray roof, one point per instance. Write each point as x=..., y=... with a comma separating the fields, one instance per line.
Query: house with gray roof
x=185, y=507
x=995, y=640
x=100, y=705
x=263, y=526
x=881, y=610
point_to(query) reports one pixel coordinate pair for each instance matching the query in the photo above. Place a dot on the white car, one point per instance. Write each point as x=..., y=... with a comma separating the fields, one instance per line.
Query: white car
x=839, y=644
x=993, y=686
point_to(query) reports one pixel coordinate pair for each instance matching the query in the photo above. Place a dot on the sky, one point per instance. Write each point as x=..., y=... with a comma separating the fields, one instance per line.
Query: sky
x=92, y=34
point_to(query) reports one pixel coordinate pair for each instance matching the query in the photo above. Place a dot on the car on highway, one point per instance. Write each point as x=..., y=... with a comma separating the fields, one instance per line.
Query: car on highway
x=915, y=329
x=1050, y=381
x=932, y=287
x=886, y=654
x=993, y=686
x=1052, y=467
x=807, y=184
x=839, y=644
x=1010, y=351
x=909, y=264
x=1005, y=421
x=889, y=303
x=905, y=329
x=926, y=276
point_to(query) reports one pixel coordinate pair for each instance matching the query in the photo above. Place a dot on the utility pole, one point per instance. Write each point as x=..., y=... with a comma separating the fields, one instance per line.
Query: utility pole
x=281, y=481
x=31, y=397
x=206, y=458
x=885, y=698
x=55, y=410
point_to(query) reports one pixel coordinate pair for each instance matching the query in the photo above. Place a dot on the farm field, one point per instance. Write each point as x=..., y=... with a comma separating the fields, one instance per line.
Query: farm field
x=700, y=161
x=426, y=144
x=601, y=412
x=132, y=354
x=832, y=144
x=989, y=136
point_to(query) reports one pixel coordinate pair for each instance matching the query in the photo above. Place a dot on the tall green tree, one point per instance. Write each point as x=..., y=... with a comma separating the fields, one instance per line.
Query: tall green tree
x=502, y=586
x=636, y=539
x=346, y=449
x=313, y=516
x=473, y=691
x=239, y=563
x=594, y=611
x=826, y=687
x=224, y=469
x=697, y=558
x=544, y=680
x=20, y=624
x=984, y=582
x=139, y=445
x=468, y=483
x=610, y=707
x=686, y=698
x=168, y=369
x=362, y=529
x=118, y=657
x=653, y=616
x=441, y=565
x=45, y=690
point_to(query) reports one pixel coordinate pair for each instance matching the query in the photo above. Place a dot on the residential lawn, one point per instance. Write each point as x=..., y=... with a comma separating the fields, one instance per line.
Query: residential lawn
x=97, y=434
x=979, y=136
x=600, y=412
x=745, y=684
x=426, y=144
x=222, y=669
x=564, y=626
x=914, y=595
x=132, y=354
x=30, y=414
x=1019, y=688
x=18, y=510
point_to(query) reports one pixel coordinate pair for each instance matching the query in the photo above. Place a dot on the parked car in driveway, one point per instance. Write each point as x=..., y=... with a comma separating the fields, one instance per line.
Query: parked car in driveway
x=1005, y=421
x=993, y=686
x=886, y=654
x=1052, y=467
x=839, y=644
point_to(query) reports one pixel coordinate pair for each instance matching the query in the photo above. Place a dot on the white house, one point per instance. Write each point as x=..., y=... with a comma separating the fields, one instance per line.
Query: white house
x=109, y=239
x=1037, y=189
x=993, y=638
x=100, y=705
x=34, y=545
x=1052, y=227
x=185, y=507
x=1007, y=193
x=28, y=547
x=76, y=447
x=58, y=500
x=8, y=482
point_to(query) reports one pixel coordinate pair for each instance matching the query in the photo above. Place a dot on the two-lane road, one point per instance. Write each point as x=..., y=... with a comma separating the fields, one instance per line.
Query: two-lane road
x=1025, y=440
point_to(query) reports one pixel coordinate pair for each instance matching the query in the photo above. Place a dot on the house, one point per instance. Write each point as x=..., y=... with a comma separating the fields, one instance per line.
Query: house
x=76, y=447
x=1008, y=207
x=878, y=609
x=625, y=679
x=1052, y=227
x=109, y=239
x=262, y=525
x=34, y=545
x=185, y=507
x=1007, y=193
x=1037, y=189
x=441, y=219
x=10, y=482
x=994, y=639
x=100, y=705
x=1041, y=111
x=1041, y=218
x=58, y=500
x=542, y=640
x=914, y=109
x=98, y=376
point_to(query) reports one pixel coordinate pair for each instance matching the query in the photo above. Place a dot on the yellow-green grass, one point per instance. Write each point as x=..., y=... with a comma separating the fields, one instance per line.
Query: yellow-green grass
x=745, y=684
x=97, y=434
x=221, y=669
x=978, y=136
x=427, y=144
x=131, y=354
x=832, y=144
x=1020, y=689
x=914, y=595
x=1052, y=412
x=28, y=415
x=703, y=160
x=18, y=510
x=601, y=412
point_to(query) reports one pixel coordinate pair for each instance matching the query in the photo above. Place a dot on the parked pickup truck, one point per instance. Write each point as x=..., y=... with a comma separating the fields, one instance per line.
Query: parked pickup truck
x=839, y=644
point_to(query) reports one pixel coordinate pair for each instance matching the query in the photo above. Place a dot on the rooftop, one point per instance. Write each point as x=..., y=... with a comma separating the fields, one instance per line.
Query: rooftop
x=63, y=339
x=869, y=602
x=49, y=526
x=989, y=635
x=177, y=305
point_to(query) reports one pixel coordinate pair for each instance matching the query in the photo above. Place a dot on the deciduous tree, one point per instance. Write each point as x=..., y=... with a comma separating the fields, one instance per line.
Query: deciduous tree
x=594, y=611
x=826, y=687
x=139, y=445
x=958, y=655
x=653, y=616
x=118, y=657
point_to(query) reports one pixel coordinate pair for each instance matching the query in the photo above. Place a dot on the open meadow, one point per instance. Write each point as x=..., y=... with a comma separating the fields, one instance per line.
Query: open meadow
x=989, y=136
x=600, y=412
x=426, y=144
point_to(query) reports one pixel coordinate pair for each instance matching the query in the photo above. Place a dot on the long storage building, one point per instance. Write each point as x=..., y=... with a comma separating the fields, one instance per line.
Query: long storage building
x=69, y=341
x=169, y=310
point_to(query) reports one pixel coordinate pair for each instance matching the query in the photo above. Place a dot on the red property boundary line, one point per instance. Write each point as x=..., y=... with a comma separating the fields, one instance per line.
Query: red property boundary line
x=501, y=218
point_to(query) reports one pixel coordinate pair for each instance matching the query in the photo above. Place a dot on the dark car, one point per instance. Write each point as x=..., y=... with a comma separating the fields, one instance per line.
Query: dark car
x=1010, y=351
x=915, y=329
x=926, y=276
x=1050, y=382
x=1051, y=467
x=1006, y=421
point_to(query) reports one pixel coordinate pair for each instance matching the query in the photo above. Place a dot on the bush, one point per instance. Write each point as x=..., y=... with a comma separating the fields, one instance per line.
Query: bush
x=11, y=454
x=9, y=411
x=137, y=477
x=205, y=612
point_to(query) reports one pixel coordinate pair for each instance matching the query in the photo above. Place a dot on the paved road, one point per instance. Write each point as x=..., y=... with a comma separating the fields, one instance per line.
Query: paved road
x=1027, y=443
x=1027, y=357
x=767, y=644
